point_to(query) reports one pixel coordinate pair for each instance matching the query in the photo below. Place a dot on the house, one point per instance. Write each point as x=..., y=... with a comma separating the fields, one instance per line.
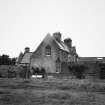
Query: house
x=53, y=54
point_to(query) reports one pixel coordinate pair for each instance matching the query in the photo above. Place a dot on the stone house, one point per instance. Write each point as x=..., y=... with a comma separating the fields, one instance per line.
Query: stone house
x=53, y=54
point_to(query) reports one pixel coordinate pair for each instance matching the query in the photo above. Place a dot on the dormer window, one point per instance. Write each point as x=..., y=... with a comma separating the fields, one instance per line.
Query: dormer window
x=48, y=50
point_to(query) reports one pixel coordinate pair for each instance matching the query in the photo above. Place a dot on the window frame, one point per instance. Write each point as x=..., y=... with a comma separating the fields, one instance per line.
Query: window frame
x=48, y=50
x=58, y=66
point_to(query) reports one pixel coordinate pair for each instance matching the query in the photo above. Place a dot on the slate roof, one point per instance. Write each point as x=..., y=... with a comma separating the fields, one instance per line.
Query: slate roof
x=62, y=46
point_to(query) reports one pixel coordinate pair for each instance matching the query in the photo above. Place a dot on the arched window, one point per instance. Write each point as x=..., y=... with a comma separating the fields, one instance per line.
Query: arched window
x=48, y=50
x=58, y=66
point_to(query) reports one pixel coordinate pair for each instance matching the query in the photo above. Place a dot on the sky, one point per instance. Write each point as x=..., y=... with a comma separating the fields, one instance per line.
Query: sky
x=24, y=23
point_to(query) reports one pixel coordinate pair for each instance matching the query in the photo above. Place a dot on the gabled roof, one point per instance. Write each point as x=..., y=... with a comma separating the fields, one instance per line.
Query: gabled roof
x=47, y=37
x=26, y=58
x=60, y=44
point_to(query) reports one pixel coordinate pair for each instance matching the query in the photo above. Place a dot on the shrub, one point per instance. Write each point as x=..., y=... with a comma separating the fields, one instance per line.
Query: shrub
x=78, y=70
x=102, y=70
x=24, y=72
x=11, y=74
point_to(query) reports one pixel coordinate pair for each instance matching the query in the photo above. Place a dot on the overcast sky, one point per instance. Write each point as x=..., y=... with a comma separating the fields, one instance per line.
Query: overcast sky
x=26, y=22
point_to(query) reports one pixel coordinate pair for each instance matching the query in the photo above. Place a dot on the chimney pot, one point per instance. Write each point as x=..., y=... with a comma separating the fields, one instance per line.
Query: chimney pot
x=27, y=50
x=57, y=36
x=68, y=42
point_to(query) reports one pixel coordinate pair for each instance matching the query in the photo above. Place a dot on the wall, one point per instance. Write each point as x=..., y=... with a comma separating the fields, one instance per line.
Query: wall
x=8, y=71
x=64, y=68
x=48, y=62
x=63, y=56
x=93, y=70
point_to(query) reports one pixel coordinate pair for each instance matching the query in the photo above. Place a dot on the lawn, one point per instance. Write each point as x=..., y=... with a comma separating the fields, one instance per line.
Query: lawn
x=51, y=92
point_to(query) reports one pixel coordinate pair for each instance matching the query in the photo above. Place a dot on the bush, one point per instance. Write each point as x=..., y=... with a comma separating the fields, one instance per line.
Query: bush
x=24, y=72
x=78, y=70
x=11, y=74
x=102, y=70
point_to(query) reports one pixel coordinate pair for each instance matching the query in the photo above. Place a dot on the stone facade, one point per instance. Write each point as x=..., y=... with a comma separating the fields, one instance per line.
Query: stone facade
x=51, y=52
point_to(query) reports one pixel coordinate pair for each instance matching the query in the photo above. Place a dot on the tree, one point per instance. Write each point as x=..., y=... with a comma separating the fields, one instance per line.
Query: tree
x=13, y=61
x=6, y=60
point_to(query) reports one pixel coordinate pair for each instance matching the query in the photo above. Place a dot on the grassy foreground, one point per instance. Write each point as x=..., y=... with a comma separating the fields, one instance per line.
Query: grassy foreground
x=51, y=92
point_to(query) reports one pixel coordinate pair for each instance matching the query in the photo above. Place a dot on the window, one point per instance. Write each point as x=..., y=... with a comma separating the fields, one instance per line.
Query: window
x=48, y=50
x=58, y=66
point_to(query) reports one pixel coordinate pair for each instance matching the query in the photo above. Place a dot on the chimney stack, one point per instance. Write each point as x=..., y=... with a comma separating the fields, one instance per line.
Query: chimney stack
x=68, y=42
x=57, y=36
x=27, y=50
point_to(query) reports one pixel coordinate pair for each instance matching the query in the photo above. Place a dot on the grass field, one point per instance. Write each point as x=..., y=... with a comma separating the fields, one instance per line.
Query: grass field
x=51, y=92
